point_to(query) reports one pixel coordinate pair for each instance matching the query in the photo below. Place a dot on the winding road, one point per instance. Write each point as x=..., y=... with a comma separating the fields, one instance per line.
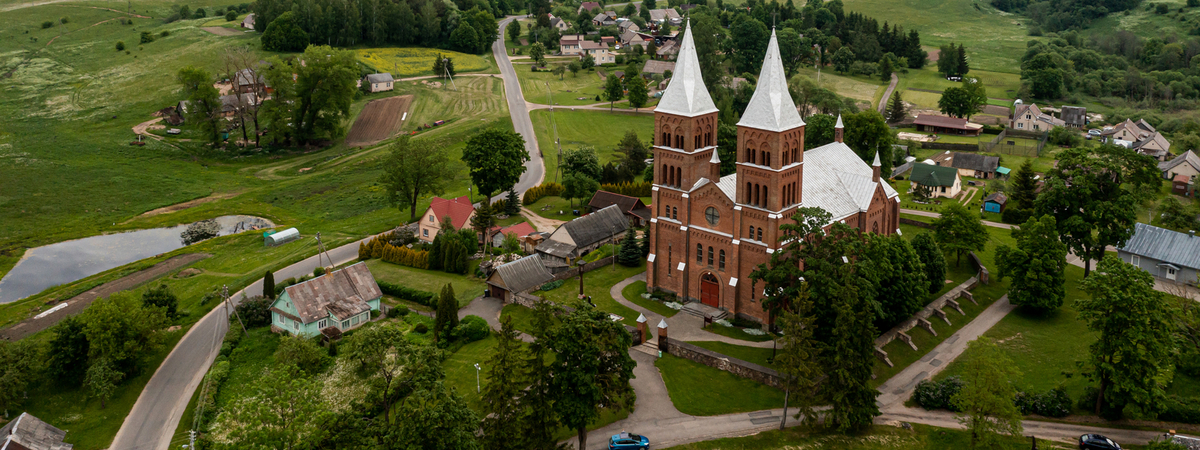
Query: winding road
x=535, y=171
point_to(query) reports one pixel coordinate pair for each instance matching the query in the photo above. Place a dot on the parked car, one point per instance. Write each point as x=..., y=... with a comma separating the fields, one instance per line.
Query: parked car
x=1094, y=132
x=1097, y=442
x=628, y=441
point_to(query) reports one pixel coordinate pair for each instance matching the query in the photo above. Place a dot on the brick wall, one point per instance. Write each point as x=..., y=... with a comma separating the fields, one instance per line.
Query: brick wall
x=719, y=361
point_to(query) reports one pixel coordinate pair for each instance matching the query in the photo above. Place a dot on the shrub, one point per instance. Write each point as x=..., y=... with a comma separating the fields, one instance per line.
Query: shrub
x=1052, y=403
x=421, y=328
x=1014, y=216
x=147, y=37
x=64, y=20
x=164, y=33
x=631, y=189
x=1193, y=3
x=413, y=295
x=1161, y=8
x=552, y=285
x=199, y=14
x=937, y=394
x=1182, y=410
x=471, y=329
x=542, y=190
x=399, y=311
x=255, y=311
x=230, y=16
x=318, y=271
x=120, y=45
x=47, y=24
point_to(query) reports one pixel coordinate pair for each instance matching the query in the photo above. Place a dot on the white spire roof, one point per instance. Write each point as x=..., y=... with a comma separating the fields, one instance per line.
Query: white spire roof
x=876, y=163
x=771, y=108
x=715, y=159
x=839, y=122
x=686, y=95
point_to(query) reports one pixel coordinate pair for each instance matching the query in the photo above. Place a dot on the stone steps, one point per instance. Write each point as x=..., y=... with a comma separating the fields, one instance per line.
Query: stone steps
x=701, y=310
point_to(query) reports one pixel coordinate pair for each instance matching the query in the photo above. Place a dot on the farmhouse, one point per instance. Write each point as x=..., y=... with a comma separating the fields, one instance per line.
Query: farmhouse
x=970, y=164
x=707, y=231
x=1187, y=164
x=946, y=125
x=625, y=25
x=1074, y=116
x=520, y=230
x=633, y=208
x=249, y=81
x=631, y=37
x=582, y=235
x=603, y=20
x=588, y=7
x=1166, y=254
x=660, y=15
x=248, y=22
x=571, y=44
x=520, y=276
x=379, y=82
x=1029, y=117
x=557, y=22
x=941, y=181
x=995, y=202
x=1140, y=136
x=330, y=304
x=458, y=211
x=27, y=432
x=655, y=66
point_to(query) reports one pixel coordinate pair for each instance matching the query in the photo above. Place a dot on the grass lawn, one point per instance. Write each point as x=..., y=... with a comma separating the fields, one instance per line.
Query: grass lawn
x=600, y=129
x=1002, y=85
x=460, y=369
x=736, y=333
x=556, y=205
x=760, y=356
x=878, y=437
x=857, y=87
x=522, y=317
x=597, y=284
x=466, y=288
x=573, y=89
x=634, y=292
x=700, y=390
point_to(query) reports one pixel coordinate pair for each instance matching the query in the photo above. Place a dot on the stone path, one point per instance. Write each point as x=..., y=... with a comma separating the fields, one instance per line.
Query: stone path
x=682, y=326
x=936, y=215
x=887, y=95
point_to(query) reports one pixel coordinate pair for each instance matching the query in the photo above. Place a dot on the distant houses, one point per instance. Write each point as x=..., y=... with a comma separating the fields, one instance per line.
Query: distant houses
x=1139, y=136
x=1184, y=173
x=520, y=276
x=379, y=82
x=634, y=209
x=969, y=164
x=330, y=304
x=571, y=44
x=248, y=22
x=946, y=125
x=659, y=16
x=588, y=6
x=1074, y=116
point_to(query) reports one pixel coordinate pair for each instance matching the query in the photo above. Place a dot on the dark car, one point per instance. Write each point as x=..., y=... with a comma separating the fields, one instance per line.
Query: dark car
x=1097, y=442
x=628, y=441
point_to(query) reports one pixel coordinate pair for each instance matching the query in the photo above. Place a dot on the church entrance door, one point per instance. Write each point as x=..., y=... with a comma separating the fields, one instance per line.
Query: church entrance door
x=710, y=290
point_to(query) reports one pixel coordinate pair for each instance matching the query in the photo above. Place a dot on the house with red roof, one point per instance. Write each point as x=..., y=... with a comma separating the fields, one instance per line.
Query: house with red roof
x=521, y=230
x=457, y=210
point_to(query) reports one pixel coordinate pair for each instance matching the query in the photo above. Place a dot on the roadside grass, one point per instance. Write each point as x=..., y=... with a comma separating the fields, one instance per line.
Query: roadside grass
x=634, y=292
x=254, y=353
x=567, y=91
x=760, y=356
x=466, y=287
x=553, y=205
x=736, y=333
x=600, y=129
x=700, y=390
x=921, y=437
x=404, y=62
x=1002, y=85
x=596, y=284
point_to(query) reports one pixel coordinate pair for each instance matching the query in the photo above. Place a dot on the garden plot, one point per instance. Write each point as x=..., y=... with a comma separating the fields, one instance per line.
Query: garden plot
x=379, y=120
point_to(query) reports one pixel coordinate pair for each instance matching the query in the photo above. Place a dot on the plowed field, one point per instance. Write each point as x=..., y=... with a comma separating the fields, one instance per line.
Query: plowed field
x=379, y=120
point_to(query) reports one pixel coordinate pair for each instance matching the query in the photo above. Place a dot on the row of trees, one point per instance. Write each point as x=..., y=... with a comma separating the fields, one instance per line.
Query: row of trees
x=1065, y=14
x=376, y=22
x=582, y=172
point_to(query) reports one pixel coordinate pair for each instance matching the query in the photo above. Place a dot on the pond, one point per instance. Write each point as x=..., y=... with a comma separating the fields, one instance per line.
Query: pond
x=55, y=264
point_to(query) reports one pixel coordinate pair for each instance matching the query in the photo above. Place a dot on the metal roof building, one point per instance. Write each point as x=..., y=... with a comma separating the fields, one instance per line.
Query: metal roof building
x=1164, y=253
x=29, y=432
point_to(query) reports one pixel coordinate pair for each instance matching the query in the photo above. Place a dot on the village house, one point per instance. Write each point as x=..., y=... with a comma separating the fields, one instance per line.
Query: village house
x=631, y=37
x=379, y=82
x=599, y=52
x=520, y=230
x=248, y=81
x=330, y=304
x=995, y=202
x=654, y=66
x=517, y=277
x=603, y=20
x=231, y=104
x=1186, y=165
x=1074, y=116
x=1028, y=117
x=458, y=211
x=587, y=7
x=624, y=25
x=610, y=41
x=26, y=432
x=940, y=180
x=1166, y=254
x=248, y=22
x=969, y=164
x=558, y=23
x=1139, y=136
x=668, y=49
x=669, y=15
x=636, y=211
x=708, y=232
x=582, y=235
x=571, y=44
x=930, y=123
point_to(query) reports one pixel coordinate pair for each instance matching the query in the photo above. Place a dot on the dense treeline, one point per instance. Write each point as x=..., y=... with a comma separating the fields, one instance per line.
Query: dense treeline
x=376, y=22
x=1058, y=15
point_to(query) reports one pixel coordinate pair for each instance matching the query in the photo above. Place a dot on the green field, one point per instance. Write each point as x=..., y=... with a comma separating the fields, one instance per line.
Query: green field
x=404, y=62
x=700, y=390
x=573, y=89
x=1144, y=22
x=634, y=292
x=600, y=129
x=596, y=284
x=858, y=87
x=466, y=287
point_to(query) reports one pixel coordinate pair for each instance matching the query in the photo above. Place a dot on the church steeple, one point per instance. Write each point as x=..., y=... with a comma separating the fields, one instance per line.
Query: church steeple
x=686, y=95
x=770, y=164
x=771, y=108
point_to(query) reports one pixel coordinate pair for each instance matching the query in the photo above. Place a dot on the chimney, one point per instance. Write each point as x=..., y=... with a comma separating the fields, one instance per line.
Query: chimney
x=875, y=167
x=838, y=130
x=714, y=167
x=1192, y=233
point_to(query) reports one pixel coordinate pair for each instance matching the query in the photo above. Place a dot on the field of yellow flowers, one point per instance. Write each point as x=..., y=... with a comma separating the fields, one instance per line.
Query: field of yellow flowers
x=413, y=61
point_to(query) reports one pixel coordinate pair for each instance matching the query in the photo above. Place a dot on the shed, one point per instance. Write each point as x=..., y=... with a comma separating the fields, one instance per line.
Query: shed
x=582, y=235
x=516, y=277
x=27, y=432
x=654, y=66
x=1164, y=253
x=995, y=202
x=380, y=82
x=946, y=125
x=1004, y=171
x=281, y=237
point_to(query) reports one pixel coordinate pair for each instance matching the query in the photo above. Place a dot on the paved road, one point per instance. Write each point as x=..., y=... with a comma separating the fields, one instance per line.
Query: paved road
x=151, y=423
x=883, y=101
x=535, y=172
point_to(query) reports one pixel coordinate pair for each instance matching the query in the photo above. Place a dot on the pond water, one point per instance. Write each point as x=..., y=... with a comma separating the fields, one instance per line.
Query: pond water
x=64, y=262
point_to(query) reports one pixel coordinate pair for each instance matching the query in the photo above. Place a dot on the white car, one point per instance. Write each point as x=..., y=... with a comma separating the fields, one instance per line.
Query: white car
x=1094, y=132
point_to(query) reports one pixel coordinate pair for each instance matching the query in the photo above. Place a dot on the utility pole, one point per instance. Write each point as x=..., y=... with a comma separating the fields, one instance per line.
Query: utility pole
x=225, y=293
x=192, y=439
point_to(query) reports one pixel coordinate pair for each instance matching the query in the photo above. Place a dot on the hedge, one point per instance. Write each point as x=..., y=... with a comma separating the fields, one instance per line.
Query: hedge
x=379, y=247
x=471, y=329
x=551, y=285
x=630, y=189
x=1052, y=403
x=937, y=394
x=542, y=190
x=1181, y=409
x=413, y=295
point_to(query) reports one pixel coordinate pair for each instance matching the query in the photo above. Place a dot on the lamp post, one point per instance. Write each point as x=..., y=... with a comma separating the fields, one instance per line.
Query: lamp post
x=580, y=262
x=477, y=378
x=818, y=64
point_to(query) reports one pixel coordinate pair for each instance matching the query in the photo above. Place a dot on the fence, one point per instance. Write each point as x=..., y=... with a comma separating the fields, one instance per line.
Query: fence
x=952, y=147
x=574, y=271
x=1016, y=142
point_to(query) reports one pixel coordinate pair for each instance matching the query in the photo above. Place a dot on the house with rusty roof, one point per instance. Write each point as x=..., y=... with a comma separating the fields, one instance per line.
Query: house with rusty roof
x=587, y=7
x=330, y=304
x=582, y=235
x=634, y=209
x=457, y=210
x=27, y=432
x=520, y=276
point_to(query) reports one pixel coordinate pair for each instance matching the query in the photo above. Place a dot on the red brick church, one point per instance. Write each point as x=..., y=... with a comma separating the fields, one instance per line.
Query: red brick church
x=708, y=232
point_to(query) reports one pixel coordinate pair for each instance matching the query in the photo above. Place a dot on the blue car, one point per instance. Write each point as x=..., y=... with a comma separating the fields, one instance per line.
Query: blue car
x=628, y=441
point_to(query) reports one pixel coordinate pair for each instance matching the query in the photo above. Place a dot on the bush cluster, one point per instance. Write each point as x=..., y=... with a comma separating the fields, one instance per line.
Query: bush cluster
x=937, y=394
x=399, y=311
x=412, y=295
x=471, y=329
x=1181, y=409
x=629, y=188
x=1052, y=403
x=380, y=247
x=551, y=285
x=542, y=190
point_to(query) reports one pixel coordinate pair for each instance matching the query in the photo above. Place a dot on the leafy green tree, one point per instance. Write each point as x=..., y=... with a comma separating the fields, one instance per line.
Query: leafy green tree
x=591, y=367
x=482, y=222
x=303, y=354
x=121, y=329
x=324, y=86
x=896, y=111
x=1037, y=265
x=1098, y=207
x=284, y=411
x=791, y=49
x=284, y=35
x=886, y=69
x=868, y=134
x=203, y=100
x=161, y=297
x=575, y=67
x=1174, y=214
x=587, y=62
x=414, y=170
x=559, y=69
x=932, y=260
x=1132, y=359
x=901, y=286
x=67, y=353
x=487, y=29
x=819, y=130
x=613, y=91
x=268, y=285
x=447, y=314
x=849, y=356
x=496, y=159
x=540, y=424
x=843, y=58
x=537, y=52
x=948, y=60
x=435, y=419
x=955, y=102
x=1023, y=187
x=581, y=161
x=102, y=379
x=639, y=94
x=464, y=38
x=636, y=152
x=506, y=380
x=986, y=398
x=749, y=37
x=21, y=365
x=959, y=230
x=577, y=186
x=514, y=31
x=799, y=361
x=392, y=364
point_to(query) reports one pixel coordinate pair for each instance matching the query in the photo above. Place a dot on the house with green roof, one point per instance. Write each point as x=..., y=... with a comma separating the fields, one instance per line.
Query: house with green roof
x=942, y=181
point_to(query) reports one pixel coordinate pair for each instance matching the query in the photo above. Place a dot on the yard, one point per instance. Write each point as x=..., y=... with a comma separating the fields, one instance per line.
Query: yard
x=634, y=292
x=404, y=62
x=466, y=288
x=573, y=89
x=600, y=129
x=597, y=284
x=861, y=88
x=760, y=356
x=700, y=390
x=1001, y=85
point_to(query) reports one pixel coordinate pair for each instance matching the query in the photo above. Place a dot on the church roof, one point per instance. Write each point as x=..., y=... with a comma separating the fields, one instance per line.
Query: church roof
x=838, y=181
x=686, y=95
x=771, y=108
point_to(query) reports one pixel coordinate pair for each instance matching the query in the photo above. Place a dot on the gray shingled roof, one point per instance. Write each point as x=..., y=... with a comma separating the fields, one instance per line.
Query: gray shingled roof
x=686, y=95
x=597, y=226
x=524, y=274
x=556, y=248
x=1074, y=115
x=997, y=197
x=1168, y=246
x=1189, y=157
x=974, y=161
x=343, y=293
x=930, y=175
x=380, y=78
x=29, y=432
x=771, y=107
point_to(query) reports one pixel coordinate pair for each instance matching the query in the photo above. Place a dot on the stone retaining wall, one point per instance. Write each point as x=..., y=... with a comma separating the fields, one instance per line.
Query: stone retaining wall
x=719, y=361
x=915, y=223
x=980, y=269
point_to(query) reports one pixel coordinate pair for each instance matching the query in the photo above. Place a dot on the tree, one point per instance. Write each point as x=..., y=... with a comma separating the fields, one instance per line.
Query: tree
x=559, y=69
x=961, y=60
x=798, y=360
x=932, y=260
x=916, y=55
x=868, y=134
x=576, y=186
x=514, y=32
x=842, y=59
x=886, y=69
x=975, y=98
x=283, y=411
x=901, y=286
x=414, y=170
x=591, y=367
x=959, y=230
x=284, y=35
x=581, y=161
x=819, y=130
x=613, y=91
x=67, y=354
x=1037, y=265
x=443, y=66
x=537, y=52
x=948, y=60
x=749, y=37
x=896, y=111
x=464, y=38
x=512, y=203
x=121, y=329
x=102, y=379
x=242, y=64
x=203, y=99
x=1098, y=207
x=393, y=364
x=302, y=354
x=1023, y=187
x=849, y=363
x=636, y=152
x=435, y=419
x=986, y=398
x=1174, y=214
x=502, y=395
x=268, y=285
x=21, y=365
x=482, y=222
x=541, y=422
x=316, y=104
x=161, y=297
x=639, y=94
x=955, y=102
x=587, y=62
x=629, y=255
x=791, y=49
x=496, y=158
x=575, y=67
x=447, y=314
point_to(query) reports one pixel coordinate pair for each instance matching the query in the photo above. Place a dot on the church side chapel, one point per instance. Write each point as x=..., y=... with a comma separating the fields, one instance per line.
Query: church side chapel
x=708, y=232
